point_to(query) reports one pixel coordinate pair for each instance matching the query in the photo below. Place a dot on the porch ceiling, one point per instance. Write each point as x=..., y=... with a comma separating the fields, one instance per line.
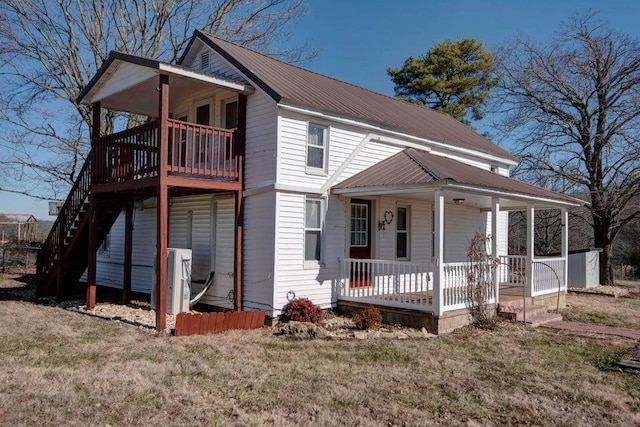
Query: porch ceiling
x=129, y=83
x=416, y=174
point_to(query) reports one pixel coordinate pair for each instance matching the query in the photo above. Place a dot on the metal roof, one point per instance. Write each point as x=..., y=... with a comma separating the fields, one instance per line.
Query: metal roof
x=413, y=167
x=292, y=85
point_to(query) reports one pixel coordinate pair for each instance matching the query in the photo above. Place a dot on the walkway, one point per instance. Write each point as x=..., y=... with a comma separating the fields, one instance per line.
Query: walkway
x=586, y=328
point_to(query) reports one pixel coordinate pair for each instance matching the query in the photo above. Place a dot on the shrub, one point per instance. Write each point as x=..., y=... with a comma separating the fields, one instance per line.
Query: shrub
x=368, y=318
x=302, y=310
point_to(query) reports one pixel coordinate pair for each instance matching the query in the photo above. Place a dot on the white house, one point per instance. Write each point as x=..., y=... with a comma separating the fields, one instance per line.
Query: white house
x=288, y=183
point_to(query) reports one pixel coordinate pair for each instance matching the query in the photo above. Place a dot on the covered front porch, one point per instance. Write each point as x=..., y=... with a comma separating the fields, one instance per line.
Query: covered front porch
x=464, y=201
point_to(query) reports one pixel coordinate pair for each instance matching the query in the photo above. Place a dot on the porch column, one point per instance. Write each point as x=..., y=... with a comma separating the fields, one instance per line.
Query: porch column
x=128, y=251
x=240, y=147
x=90, y=299
x=564, y=249
x=438, y=276
x=530, y=250
x=162, y=195
x=495, y=212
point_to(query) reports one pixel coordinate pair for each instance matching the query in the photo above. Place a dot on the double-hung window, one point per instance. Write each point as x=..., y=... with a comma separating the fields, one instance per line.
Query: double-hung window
x=313, y=230
x=402, y=232
x=317, y=137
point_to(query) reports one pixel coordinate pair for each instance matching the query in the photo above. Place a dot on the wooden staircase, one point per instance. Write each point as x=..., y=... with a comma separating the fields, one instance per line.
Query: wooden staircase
x=65, y=253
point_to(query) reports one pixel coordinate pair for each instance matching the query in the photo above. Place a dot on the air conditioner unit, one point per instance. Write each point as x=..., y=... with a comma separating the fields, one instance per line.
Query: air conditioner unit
x=178, y=280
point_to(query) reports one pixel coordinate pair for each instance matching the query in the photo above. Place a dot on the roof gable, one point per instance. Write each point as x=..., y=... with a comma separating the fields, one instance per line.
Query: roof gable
x=289, y=84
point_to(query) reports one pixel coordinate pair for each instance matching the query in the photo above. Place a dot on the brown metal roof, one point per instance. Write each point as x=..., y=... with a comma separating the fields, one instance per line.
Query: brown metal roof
x=290, y=84
x=411, y=167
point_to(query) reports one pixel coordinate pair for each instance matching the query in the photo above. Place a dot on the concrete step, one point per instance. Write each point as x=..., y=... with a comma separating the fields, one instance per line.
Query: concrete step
x=517, y=313
x=542, y=318
x=513, y=303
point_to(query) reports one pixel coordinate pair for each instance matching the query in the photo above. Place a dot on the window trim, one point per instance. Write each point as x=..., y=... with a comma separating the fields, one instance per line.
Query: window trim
x=366, y=228
x=223, y=111
x=407, y=230
x=312, y=263
x=312, y=170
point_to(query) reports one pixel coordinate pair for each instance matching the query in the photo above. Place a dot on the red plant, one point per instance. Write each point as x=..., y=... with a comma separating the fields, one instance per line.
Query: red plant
x=302, y=310
x=368, y=318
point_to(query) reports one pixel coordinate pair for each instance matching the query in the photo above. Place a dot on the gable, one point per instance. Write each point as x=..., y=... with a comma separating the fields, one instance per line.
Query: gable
x=212, y=63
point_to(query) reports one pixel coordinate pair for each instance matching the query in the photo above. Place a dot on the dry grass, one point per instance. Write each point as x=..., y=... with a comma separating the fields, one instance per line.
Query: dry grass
x=61, y=367
x=623, y=312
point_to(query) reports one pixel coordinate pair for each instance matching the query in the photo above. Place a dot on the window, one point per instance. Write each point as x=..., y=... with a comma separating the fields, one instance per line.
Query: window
x=230, y=115
x=316, y=147
x=402, y=232
x=359, y=225
x=105, y=247
x=313, y=230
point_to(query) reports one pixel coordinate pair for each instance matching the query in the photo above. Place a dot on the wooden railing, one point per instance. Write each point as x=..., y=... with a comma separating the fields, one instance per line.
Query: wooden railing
x=127, y=155
x=202, y=150
x=455, y=283
x=193, y=150
x=68, y=214
x=387, y=283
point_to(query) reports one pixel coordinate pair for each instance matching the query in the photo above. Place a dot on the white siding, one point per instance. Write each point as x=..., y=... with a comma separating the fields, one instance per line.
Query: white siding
x=258, y=251
x=217, y=65
x=313, y=282
x=211, y=245
x=260, y=147
x=461, y=224
x=342, y=142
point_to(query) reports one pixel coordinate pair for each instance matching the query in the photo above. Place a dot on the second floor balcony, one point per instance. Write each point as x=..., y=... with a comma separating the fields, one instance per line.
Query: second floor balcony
x=193, y=151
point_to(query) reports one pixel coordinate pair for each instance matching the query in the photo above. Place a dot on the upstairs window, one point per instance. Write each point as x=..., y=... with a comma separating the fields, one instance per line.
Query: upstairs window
x=316, y=148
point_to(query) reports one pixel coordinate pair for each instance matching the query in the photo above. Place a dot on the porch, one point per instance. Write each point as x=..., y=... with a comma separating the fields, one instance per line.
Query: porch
x=427, y=273
x=411, y=286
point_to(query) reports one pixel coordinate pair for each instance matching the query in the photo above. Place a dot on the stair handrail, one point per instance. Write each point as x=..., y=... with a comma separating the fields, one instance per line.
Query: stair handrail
x=67, y=214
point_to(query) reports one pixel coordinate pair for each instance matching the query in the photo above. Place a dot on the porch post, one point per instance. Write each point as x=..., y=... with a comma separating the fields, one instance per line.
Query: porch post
x=128, y=251
x=530, y=250
x=495, y=212
x=162, y=194
x=438, y=227
x=240, y=147
x=90, y=299
x=564, y=220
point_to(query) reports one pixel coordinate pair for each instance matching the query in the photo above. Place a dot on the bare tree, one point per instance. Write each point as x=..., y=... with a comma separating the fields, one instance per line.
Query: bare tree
x=573, y=108
x=49, y=49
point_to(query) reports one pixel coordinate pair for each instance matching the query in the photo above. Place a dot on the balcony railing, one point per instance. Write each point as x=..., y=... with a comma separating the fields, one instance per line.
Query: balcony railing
x=193, y=150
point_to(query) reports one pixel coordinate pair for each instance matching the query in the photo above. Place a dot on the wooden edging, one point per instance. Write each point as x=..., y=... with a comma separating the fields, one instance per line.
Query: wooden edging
x=211, y=323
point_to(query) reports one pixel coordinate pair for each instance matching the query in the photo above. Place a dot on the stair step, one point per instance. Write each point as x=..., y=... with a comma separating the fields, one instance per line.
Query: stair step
x=542, y=318
x=517, y=313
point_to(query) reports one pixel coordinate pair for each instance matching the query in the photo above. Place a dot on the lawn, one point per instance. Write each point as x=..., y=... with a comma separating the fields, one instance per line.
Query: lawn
x=623, y=312
x=62, y=367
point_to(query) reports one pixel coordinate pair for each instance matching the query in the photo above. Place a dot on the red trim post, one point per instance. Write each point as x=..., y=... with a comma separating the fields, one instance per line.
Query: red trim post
x=162, y=205
x=90, y=299
x=128, y=251
x=238, y=258
x=93, y=247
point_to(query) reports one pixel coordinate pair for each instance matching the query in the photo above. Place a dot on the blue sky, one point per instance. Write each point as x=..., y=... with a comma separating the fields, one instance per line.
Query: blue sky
x=360, y=39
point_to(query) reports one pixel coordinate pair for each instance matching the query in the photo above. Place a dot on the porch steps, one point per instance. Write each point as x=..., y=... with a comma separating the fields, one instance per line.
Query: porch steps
x=514, y=308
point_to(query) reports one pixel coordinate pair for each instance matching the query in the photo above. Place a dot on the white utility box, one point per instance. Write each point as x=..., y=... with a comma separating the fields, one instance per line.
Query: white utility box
x=178, y=281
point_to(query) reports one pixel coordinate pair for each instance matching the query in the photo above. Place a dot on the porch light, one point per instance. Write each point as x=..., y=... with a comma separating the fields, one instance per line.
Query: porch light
x=458, y=201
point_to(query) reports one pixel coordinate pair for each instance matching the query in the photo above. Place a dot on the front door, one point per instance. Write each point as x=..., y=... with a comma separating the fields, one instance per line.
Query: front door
x=360, y=242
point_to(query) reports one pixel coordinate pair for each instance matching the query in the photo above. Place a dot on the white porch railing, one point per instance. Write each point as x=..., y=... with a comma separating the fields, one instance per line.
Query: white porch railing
x=410, y=285
x=389, y=283
x=455, y=284
x=548, y=275
x=512, y=270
